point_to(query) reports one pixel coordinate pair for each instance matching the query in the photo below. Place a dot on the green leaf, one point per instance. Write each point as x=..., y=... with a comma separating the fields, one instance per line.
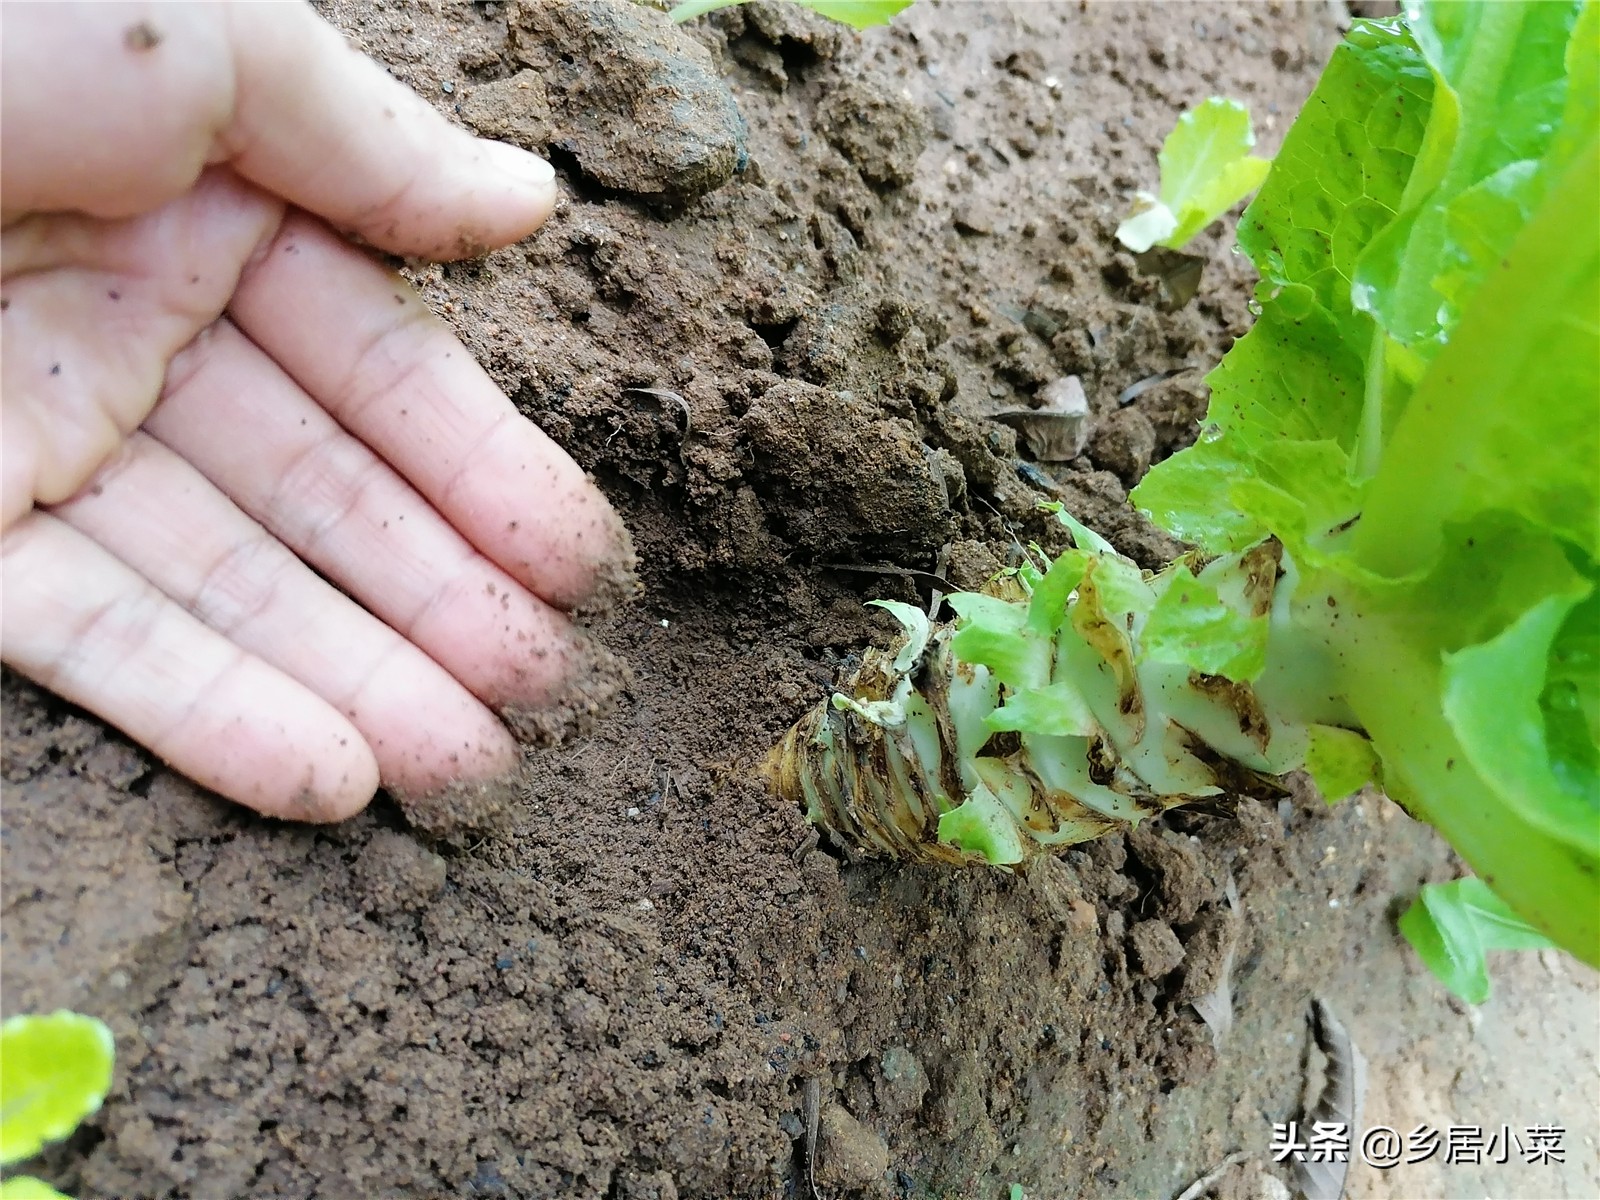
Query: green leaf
x=1396, y=644
x=1285, y=406
x=1492, y=699
x=1340, y=762
x=1291, y=377
x=26, y=1187
x=982, y=825
x=1303, y=493
x=978, y=608
x=1582, y=114
x=1058, y=710
x=1191, y=624
x=54, y=1071
x=1452, y=927
x=1205, y=165
x=1508, y=416
x=1500, y=72
x=1017, y=660
x=915, y=622
x=1291, y=394
x=1205, y=170
x=1188, y=495
x=1570, y=702
x=1047, y=606
x=994, y=633
x=1341, y=173
x=1083, y=537
x=1120, y=588
x=859, y=14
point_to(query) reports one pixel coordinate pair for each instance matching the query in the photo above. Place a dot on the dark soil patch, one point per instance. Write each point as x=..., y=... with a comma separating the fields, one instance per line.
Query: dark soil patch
x=625, y=992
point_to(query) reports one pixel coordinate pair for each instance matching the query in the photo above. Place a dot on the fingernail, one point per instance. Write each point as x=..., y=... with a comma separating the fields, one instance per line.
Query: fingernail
x=525, y=169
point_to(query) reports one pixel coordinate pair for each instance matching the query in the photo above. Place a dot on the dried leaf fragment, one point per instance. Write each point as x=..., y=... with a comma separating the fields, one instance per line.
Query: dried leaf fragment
x=1343, y=1089
x=1216, y=1006
x=1057, y=430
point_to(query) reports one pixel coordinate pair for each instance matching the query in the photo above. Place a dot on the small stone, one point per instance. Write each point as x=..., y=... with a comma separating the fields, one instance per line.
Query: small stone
x=902, y=1083
x=515, y=110
x=972, y=222
x=881, y=132
x=396, y=873
x=849, y=1155
x=1155, y=948
x=1124, y=442
x=585, y=1016
x=636, y=101
x=658, y=1185
x=1081, y=916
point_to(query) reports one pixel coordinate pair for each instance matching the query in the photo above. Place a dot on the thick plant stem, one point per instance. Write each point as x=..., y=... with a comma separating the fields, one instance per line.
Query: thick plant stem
x=1062, y=706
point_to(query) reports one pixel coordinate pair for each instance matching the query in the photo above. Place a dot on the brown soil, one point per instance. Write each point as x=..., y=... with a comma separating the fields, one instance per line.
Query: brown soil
x=842, y=253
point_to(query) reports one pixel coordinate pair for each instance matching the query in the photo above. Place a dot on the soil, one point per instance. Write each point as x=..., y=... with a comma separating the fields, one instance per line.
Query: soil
x=793, y=273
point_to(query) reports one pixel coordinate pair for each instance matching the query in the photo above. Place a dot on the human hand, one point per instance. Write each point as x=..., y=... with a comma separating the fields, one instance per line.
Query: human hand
x=209, y=398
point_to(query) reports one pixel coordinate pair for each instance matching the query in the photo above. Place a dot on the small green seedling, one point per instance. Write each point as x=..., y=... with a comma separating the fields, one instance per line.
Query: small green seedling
x=1453, y=926
x=25, y=1187
x=858, y=14
x=1206, y=169
x=54, y=1071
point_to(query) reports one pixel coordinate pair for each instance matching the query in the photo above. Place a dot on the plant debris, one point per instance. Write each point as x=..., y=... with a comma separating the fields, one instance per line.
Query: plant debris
x=1216, y=1006
x=1058, y=429
x=1202, y=1185
x=1344, y=1085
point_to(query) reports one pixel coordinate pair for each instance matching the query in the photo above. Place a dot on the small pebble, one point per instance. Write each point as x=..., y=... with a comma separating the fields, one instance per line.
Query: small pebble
x=850, y=1155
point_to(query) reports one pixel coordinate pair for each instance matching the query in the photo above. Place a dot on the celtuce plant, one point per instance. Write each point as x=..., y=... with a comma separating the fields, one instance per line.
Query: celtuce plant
x=1395, y=506
x=1072, y=698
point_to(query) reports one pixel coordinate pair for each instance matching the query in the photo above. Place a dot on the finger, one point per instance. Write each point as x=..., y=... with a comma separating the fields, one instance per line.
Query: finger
x=165, y=520
x=91, y=312
x=345, y=511
x=355, y=338
x=271, y=88
x=85, y=626
x=328, y=129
